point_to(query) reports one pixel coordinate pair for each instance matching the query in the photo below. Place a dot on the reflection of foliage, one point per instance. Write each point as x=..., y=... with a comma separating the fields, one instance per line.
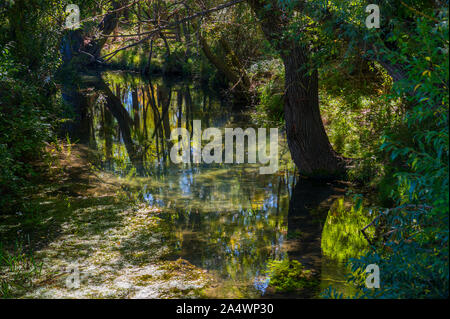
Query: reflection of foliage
x=289, y=275
x=413, y=257
x=297, y=234
x=237, y=216
x=236, y=244
x=153, y=109
x=342, y=237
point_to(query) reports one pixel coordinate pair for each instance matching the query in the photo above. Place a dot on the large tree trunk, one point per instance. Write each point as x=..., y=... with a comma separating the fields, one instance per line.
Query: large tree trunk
x=308, y=142
x=306, y=136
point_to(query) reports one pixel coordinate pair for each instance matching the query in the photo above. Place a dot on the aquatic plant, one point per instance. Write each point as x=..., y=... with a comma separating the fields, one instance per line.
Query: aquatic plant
x=289, y=275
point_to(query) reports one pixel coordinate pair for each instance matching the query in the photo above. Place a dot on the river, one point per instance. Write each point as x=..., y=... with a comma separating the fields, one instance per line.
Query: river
x=227, y=219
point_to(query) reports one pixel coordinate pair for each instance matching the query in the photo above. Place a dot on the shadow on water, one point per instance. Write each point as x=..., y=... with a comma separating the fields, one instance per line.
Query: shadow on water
x=228, y=219
x=308, y=209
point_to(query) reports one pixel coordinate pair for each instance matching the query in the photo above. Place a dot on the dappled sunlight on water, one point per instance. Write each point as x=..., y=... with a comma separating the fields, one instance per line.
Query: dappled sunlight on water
x=225, y=218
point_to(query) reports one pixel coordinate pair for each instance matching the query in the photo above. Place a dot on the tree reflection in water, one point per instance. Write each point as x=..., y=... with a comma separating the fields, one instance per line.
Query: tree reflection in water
x=228, y=219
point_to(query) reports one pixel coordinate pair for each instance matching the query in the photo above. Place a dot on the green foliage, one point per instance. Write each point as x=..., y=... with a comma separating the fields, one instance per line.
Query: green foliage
x=17, y=270
x=35, y=33
x=272, y=100
x=341, y=236
x=268, y=76
x=289, y=275
x=135, y=58
x=400, y=138
x=24, y=112
x=356, y=115
x=29, y=105
x=176, y=62
x=413, y=256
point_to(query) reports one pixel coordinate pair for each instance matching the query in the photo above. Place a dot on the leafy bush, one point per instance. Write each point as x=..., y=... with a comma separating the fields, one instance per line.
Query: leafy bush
x=24, y=111
x=413, y=255
x=176, y=63
x=270, y=109
x=272, y=101
x=356, y=118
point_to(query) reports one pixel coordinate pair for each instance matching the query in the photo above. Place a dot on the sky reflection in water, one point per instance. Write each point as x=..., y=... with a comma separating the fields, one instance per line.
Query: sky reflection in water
x=228, y=219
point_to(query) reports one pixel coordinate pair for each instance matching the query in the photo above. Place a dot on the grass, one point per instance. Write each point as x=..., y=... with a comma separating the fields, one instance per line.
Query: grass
x=18, y=268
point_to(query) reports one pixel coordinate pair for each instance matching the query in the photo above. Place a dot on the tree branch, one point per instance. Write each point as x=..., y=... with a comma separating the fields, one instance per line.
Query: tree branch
x=171, y=25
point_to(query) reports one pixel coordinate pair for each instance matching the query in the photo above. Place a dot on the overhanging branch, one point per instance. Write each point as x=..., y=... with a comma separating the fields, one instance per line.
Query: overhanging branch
x=151, y=33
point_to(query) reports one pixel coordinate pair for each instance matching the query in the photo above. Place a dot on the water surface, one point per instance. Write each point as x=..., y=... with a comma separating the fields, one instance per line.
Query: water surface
x=225, y=218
